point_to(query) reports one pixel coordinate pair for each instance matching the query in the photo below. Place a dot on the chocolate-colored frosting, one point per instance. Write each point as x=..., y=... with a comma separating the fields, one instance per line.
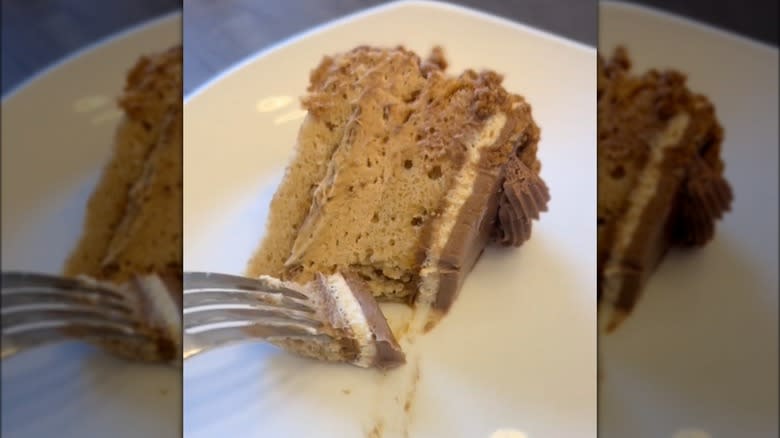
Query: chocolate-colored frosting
x=524, y=196
x=705, y=197
x=473, y=226
x=343, y=343
x=388, y=352
x=469, y=236
x=499, y=179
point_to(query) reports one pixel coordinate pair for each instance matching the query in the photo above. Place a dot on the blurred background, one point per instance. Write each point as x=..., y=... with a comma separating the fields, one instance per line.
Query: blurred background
x=57, y=133
x=38, y=33
x=698, y=356
x=220, y=33
x=756, y=19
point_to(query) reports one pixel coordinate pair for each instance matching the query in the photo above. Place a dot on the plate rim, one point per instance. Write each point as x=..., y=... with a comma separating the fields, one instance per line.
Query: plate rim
x=375, y=10
x=688, y=21
x=134, y=29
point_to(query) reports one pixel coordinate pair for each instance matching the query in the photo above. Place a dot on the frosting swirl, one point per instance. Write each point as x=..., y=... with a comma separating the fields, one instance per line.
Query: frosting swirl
x=705, y=196
x=524, y=196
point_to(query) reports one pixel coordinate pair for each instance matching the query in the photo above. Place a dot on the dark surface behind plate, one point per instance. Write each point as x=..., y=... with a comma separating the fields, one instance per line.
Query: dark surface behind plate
x=39, y=33
x=756, y=19
x=219, y=34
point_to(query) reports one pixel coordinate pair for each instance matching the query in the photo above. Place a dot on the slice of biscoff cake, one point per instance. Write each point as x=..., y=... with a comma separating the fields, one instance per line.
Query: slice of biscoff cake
x=401, y=175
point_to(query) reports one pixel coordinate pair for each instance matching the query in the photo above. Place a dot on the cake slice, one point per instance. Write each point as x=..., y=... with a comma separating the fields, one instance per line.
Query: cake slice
x=402, y=174
x=132, y=230
x=660, y=177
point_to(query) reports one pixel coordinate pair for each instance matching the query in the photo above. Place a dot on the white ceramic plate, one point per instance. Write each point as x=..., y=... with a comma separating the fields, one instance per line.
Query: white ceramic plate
x=58, y=130
x=698, y=357
x=518, y=349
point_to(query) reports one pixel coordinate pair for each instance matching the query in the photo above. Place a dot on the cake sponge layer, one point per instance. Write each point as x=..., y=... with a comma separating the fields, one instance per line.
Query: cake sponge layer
x=134, y=216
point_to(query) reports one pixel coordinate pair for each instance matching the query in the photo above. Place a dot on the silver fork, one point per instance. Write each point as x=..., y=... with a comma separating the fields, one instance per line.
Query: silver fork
x=222, y=309
x=40, y=309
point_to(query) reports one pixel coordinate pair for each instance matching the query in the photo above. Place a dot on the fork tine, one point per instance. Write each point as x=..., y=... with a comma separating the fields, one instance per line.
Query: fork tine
x=33, y=301
x=18, y=297
x=194, y=280
x=204, y=288
x=25, y=315
x=243, y=332
x=222, y=309
x=26, y=282
x=197, y=281
x=39, y=309
x=71, y=324
x=256, y=314
x=46, y=334
x=26, y=289
x=219, y=296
